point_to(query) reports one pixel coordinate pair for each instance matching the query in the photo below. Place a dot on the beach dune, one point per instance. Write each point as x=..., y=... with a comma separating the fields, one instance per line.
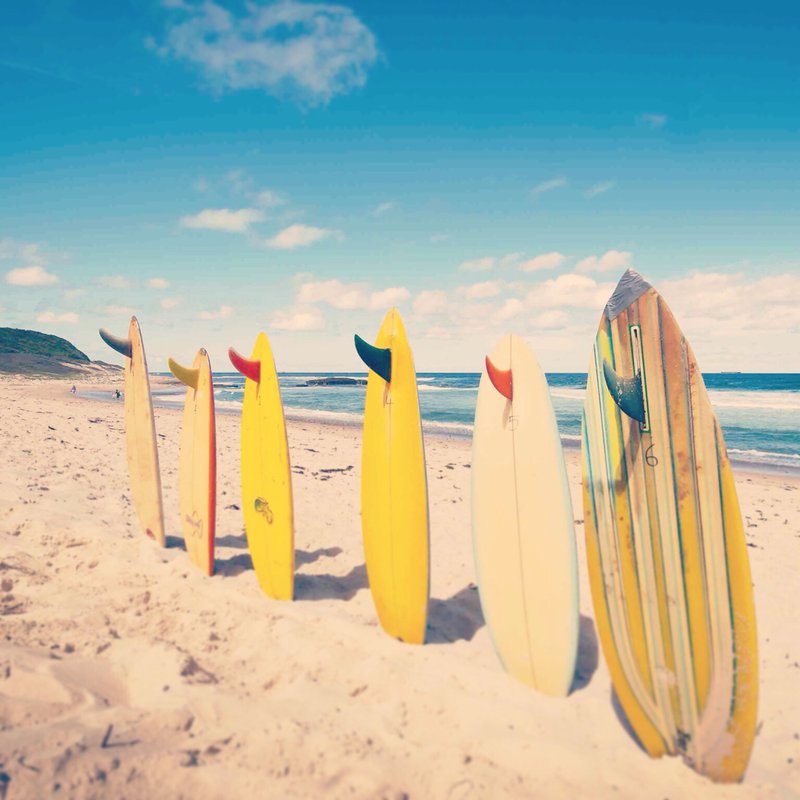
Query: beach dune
x=127, y=673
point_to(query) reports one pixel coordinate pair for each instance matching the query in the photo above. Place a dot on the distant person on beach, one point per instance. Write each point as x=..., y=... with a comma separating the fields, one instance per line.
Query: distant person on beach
x=73, y=390
x=117, y=394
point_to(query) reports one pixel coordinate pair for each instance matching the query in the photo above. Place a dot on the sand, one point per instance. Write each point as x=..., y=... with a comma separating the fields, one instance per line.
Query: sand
x=125, y=673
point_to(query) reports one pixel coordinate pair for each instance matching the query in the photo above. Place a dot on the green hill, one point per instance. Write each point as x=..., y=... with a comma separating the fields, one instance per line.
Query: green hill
x=33, y=353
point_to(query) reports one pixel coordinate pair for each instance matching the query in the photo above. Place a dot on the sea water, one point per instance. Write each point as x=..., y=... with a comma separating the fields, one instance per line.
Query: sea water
x=759, y=413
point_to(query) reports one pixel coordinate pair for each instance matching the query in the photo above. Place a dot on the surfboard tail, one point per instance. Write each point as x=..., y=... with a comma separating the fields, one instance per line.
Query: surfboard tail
x=186, y=375
x=249, y=368
x=118, y=343
x=378, y=359
x=502, y=379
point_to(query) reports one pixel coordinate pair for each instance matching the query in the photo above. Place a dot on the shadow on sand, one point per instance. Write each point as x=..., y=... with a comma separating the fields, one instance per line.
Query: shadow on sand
x=174, y=543
x=233, y=566
x=331, y=587
x=459, y=617
x=588, y=654
x=302, y=557
x=237, y=542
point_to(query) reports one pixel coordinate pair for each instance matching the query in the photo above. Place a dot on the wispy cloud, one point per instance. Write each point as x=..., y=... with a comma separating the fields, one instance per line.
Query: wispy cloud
x=478, y=264
x=114, y=281
x=549, y=186
x=610, y=260
x=223, y=312
x=223, y=219
x=429, y=301
x=599, y=188
x=158, y=283
x=307, y=51
x=30, y=276
x=654, y=120
x=298, y=318
x=543, y=261
x=266, y=198
x=482, y=290
x=119, y=311
x=69, y=317
x=298, y=235
x=382, y=208
x=349, y=296
x=168, y=302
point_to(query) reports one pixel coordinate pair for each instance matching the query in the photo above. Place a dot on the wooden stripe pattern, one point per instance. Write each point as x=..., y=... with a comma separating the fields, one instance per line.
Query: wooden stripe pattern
x=666, y=552
x=140, y=439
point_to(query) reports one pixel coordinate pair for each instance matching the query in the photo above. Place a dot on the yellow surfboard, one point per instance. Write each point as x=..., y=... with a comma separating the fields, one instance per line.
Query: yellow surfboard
x=140, y=432
x=197, y=468
x=394, y=493
x=665, y=545
x=522, y=524
x=266, y=473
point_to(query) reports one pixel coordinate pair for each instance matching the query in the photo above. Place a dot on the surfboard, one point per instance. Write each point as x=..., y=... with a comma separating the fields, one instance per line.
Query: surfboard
x=266, y=473
x=665, y=545
x=394, y=493
x=140, y=432
x=522, y=523
x=197, y=468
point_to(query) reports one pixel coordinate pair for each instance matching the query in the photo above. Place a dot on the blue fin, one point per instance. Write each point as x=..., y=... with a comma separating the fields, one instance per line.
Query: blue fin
x=378, y=359
x=627, y=392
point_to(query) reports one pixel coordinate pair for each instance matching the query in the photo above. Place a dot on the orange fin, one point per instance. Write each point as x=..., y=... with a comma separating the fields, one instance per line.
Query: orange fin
x=250, y=369
x=501, y=379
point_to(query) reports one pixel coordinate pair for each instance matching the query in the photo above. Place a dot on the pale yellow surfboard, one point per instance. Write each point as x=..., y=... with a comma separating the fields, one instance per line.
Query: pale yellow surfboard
x=266, y=473
x=522, y=522
x=140, y=433
x=394, y=494
x=666, y=551
x=197, y=478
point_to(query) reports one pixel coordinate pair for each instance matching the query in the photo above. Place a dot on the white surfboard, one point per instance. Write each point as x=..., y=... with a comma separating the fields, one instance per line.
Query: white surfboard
x=522, y=522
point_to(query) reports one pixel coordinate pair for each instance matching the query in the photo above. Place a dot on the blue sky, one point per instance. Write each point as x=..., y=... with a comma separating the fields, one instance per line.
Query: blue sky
x=218, y=168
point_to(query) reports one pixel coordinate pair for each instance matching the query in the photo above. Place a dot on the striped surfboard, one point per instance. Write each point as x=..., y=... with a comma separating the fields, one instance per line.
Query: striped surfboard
x=666, y=551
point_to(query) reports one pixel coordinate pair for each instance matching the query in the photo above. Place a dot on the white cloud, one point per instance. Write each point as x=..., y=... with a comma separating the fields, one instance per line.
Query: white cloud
x=223, y=219
x=115, y=310
x=30, y=276
x=481, y=290
x=478, y=264
x=114, y=281
x=158, y=283
x=430, y=301
x=223, y=312
x=439, y=237
x=599, y=188
x=386, y=298
x=382, y=208
x=654, y=120
x=169, y=302
x=269, y=199
x=27, y=252
x=543, y=261
x=551, y=320
x=69, y=317
x=71, y=294
x=610, y=260
x=298, y=318
x=298, y=235
x=548, y=186
x=200, y=185
x=570, y=291
x=307, y=51
x=511, y=308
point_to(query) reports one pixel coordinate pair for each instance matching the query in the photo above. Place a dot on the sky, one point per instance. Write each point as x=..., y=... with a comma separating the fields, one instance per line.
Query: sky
x=219, y=168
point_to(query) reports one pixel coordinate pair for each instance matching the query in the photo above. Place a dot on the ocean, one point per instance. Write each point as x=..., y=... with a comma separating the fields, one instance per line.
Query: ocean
x=759, y=413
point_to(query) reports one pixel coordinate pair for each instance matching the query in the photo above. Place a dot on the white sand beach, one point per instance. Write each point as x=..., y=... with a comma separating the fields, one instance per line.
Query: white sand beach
x=126, y=673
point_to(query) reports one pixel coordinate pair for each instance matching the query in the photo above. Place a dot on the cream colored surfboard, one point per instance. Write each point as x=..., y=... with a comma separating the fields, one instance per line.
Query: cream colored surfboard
x=197, y=468
x=522, y=522
x=140, y=433
x=665, y=545
x=394, y=494
x=266, y=473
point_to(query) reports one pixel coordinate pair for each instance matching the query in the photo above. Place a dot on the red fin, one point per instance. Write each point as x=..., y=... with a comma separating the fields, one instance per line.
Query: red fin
x=501, y=379
x=250, y=369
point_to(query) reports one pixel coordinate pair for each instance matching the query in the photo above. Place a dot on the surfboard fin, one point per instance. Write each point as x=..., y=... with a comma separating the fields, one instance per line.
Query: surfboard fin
x=185, y=375
x=501, y=379
x=378, y=359
x=250, y=369
x=627, y=392
x=122, y=346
